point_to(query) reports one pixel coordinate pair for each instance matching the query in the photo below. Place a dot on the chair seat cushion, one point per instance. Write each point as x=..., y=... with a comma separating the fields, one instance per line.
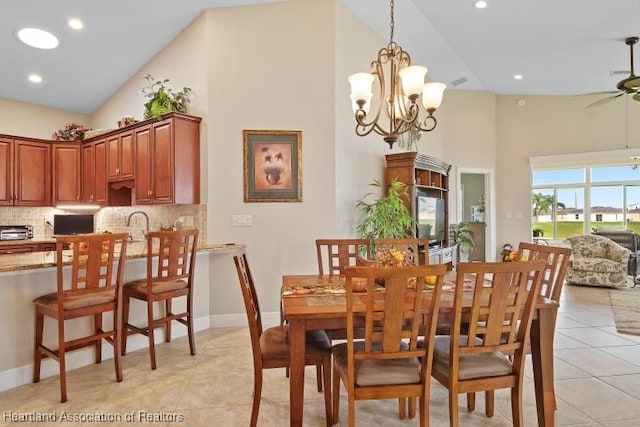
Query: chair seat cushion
x=599, y=265
x=378, y=372
x=274, y=342
x=470, y=365
x=158, y=286
x=79, y=301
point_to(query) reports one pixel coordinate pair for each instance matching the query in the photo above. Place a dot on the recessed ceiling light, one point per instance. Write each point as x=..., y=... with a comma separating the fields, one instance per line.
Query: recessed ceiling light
x=38, y=38
x=480, y=4
x=75, y=23
x=35, y=78
x=517, y=76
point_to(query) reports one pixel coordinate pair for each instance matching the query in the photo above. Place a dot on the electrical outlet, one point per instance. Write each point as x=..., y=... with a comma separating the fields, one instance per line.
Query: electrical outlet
x=241, y=220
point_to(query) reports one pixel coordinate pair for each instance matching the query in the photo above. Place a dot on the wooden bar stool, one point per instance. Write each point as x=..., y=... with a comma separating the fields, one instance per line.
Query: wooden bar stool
x=91, y=290
x=173, y=278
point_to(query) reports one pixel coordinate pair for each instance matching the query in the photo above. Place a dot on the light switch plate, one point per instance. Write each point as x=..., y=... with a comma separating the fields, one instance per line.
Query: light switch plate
x=241, y=220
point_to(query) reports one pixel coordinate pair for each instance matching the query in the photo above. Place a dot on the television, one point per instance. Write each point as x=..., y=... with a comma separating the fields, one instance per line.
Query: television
x=72, y=224
x=430, y=219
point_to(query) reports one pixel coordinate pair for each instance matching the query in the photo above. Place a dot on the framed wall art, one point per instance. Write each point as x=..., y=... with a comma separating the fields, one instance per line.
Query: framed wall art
x=272, y=165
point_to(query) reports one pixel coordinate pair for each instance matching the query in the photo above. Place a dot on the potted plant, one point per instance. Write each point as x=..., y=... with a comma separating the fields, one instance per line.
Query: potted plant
x=387, y=216
x=70, y=132
x=162, y=99
x=538, y=232
x=462, y=236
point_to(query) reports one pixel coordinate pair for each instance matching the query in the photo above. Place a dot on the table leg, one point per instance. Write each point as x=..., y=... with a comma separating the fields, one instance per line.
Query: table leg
x=296, y=371
x=542, y=330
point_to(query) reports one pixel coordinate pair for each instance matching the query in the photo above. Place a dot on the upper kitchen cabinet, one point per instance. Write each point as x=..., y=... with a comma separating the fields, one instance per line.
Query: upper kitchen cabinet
x=167, y=166
x=66, y=173
x=94, y=172
x=6, y=171
x=32, y=173
x=120, y=156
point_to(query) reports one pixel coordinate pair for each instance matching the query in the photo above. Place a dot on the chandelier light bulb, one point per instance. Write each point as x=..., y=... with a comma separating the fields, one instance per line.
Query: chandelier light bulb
x=361, y=86
x=432, y=95
x=413, y=80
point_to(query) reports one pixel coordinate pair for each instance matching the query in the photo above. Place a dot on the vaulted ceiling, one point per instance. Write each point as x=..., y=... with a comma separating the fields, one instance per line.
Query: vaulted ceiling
x=563, y=47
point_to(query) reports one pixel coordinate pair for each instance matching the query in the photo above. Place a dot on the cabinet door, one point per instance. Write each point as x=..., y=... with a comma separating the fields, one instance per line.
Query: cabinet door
x=120, y=156
x=126, y=155
x=66, y=173
x=88, y=173
x=143, y=165
x=6, y=171
x=101, y=172
x=162, y=168
x=32, y=173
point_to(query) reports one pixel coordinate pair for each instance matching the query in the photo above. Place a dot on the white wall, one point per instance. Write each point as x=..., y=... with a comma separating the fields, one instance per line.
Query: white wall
x=23, y=119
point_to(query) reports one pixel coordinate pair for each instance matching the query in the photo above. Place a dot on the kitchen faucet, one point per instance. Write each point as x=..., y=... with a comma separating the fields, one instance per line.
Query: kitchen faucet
x=128, y=221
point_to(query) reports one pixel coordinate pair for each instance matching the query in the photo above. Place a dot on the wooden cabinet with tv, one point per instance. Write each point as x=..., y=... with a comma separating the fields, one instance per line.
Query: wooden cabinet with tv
x=427, y=181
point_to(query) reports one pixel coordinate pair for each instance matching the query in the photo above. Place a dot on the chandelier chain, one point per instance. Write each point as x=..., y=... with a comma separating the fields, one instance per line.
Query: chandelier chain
x=393, y=23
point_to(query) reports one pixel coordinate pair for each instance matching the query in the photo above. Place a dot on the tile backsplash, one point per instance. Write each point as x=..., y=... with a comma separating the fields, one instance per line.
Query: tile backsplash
x=112, y=218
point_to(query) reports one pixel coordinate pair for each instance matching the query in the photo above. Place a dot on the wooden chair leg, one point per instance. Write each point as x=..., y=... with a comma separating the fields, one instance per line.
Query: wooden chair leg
x=490, y=402
x=150, y=334
x=453, y=408
x=335, y=385
x=412, y=407
x=37, y=354
x=124, y=330
x=326, y=379
x=97, y=326
x=62, y=361
x=117, y=342
x=402, y=408
x=471, y=402
x=192, y=337
x=257, y=394
x=516, y=406
x=167, y=333
x=319, y=378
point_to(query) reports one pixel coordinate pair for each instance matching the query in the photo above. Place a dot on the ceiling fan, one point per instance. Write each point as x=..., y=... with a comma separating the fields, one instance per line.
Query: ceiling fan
x=629, y=85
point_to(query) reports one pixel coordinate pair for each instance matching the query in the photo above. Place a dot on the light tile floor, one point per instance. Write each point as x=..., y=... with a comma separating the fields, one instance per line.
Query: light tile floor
x=597, y=377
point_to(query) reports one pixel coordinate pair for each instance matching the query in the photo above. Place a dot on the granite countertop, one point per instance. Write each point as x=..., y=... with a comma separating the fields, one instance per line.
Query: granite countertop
x=35, y=260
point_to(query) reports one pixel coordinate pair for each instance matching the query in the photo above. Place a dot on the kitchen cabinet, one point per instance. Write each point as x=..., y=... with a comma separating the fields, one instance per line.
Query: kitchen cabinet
x=6, y=171
x=168, y=161
x=32, y=173
x=94, y=172
x=66, y=173
x=120, y=156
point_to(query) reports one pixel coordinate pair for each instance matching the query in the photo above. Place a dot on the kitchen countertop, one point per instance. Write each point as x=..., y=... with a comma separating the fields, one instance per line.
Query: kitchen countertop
x=35, y=260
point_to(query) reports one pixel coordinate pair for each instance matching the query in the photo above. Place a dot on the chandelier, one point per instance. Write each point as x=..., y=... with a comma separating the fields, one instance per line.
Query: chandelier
x=400, y=86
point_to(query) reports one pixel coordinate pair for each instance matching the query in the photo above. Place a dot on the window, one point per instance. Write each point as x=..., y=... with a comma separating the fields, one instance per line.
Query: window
x=571, y=201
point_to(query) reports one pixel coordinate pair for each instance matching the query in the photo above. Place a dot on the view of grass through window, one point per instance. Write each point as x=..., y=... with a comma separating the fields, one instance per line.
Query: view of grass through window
x=571, y=201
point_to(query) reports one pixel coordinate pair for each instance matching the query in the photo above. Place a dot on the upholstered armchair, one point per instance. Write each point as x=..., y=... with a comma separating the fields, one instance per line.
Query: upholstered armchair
x=597, y=261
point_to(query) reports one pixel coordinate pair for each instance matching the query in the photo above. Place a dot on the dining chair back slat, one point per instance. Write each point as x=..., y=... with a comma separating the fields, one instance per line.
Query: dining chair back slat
x=557, y=259
x=335, y=254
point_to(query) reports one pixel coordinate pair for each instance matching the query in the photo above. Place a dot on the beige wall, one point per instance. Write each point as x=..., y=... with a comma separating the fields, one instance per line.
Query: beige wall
x=23, y=119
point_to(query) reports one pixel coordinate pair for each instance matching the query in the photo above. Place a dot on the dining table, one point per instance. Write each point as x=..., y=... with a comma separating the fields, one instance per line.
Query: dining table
x=313, y=302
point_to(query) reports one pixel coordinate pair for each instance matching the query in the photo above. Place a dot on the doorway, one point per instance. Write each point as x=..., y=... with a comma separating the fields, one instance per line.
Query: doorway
x=476, y=207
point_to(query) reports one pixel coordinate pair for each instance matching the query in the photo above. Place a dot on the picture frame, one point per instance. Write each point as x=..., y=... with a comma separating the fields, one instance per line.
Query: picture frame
x=272, y=165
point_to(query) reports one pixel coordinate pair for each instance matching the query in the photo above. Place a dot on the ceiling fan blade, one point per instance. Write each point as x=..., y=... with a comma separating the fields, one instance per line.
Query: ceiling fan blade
x=605, y=100
x=636, y=97
x=602, y=92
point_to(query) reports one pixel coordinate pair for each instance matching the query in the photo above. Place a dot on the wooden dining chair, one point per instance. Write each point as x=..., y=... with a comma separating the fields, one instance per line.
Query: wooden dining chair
x=271, y=346
x=388, y=363
x=92, y=288
x=173, y=278
x=336, y=254
x=497, y=325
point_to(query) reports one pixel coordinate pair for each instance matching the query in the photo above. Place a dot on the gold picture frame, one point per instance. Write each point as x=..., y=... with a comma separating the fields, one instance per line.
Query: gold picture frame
x=272, y=165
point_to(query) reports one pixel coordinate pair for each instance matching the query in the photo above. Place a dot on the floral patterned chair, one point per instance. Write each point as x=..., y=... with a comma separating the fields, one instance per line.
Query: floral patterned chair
x=597, y=261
